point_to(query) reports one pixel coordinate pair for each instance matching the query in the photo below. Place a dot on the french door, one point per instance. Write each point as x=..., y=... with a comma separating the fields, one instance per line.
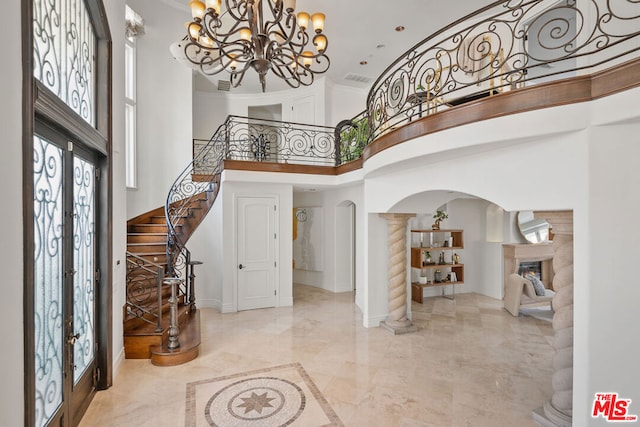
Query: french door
x=65, y=273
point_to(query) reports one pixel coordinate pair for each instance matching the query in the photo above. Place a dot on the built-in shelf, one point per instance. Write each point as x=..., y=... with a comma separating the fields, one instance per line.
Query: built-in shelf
x=434, y=254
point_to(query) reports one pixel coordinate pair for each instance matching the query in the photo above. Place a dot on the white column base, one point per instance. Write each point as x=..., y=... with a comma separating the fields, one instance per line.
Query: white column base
x=548, y=416
x=398, y=328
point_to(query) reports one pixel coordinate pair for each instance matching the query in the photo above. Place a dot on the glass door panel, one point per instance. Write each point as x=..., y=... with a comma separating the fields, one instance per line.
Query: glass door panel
x=84, y=265
x=48, y=271
x=65, y=263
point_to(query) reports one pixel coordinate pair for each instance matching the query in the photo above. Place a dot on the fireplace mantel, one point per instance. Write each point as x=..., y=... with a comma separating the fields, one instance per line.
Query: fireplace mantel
x=515, y=253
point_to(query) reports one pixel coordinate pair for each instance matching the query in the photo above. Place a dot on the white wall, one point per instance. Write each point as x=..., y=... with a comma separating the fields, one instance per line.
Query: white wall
x=344, y=247
x=12, y=367
x=210, y=109
x=164, y=105
x=482, y=260
x=115, y=14
x=605, y=246
x=376, y=291
x=331, y=104
x=206, y=245
x=344, y=102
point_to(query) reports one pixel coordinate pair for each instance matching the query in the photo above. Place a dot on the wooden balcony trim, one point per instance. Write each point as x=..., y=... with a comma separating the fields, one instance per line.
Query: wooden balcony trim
x=243, y=165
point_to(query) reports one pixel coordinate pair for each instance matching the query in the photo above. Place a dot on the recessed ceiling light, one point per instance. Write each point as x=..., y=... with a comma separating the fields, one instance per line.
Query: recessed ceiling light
x=399, y=28
x=363, y=62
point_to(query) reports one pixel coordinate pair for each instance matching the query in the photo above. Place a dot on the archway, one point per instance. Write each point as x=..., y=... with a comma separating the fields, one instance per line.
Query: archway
x=481, y=220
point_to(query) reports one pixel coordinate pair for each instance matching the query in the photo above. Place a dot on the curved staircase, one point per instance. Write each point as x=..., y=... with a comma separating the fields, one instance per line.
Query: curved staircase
x=146, y=334
x=158, y=326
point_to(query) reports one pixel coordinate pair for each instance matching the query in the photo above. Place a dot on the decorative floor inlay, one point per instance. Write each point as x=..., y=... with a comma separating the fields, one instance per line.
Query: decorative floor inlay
x=282, y=395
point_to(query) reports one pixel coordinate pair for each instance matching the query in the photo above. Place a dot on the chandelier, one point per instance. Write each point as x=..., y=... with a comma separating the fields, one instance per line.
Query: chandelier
x=260, y=34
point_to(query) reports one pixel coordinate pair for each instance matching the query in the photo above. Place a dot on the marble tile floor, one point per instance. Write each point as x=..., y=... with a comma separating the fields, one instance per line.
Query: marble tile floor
x=470, y=364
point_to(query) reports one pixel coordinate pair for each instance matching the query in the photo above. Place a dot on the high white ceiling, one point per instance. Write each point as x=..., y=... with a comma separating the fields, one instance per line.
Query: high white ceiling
x=363, y=30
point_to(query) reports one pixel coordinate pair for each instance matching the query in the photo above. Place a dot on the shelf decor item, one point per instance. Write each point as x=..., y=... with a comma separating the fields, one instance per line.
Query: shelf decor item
x=437, y=276
x=426, y=258
x=439, y=216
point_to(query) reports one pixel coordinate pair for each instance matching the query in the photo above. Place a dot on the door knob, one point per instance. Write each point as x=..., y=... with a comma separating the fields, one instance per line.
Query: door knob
x=241, y=266
x=73, y=338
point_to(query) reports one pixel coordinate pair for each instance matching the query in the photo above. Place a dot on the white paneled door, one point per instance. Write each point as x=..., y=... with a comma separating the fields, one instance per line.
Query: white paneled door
x=257, y=248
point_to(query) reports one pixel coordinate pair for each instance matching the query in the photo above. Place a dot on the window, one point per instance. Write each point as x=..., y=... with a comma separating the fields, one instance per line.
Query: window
x=134, y=28
x=64, y=53
x=130, y=112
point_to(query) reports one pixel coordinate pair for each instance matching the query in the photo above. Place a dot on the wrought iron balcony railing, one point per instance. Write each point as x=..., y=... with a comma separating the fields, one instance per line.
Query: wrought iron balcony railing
x=272, y=141
x=504, y=46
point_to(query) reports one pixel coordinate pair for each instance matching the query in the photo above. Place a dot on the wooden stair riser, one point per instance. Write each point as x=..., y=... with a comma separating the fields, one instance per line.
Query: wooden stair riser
x=147, y=238
x=147, y=228
x=158, y=220
x=145, y=248
x=138, y=347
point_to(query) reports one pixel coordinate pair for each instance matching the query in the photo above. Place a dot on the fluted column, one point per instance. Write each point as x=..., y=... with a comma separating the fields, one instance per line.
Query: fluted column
x=559, y=410
x=397, y=321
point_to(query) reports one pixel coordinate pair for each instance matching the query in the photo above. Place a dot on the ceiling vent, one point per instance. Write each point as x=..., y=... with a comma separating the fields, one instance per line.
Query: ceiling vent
x=358, y=78
x=224, y=85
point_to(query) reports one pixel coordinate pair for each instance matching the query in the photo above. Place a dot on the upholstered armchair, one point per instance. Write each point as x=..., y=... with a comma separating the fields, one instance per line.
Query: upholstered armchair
x=520, y=293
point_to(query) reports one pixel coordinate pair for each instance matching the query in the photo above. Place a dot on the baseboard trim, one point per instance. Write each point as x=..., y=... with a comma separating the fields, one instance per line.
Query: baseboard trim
x=374, y=321
x=117, y=362
x=286, y=302
x=209, y=303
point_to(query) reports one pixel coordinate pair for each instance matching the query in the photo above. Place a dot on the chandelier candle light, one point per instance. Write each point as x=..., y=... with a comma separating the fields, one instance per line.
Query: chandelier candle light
x=260, y=34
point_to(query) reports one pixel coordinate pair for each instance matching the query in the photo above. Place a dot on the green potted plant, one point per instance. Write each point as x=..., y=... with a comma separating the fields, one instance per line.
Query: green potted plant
x=439, y=216
x=353, y=140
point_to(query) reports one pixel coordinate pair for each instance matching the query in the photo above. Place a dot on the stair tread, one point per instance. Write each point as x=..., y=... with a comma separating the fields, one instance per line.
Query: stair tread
x=153, y=233
x=150, y=253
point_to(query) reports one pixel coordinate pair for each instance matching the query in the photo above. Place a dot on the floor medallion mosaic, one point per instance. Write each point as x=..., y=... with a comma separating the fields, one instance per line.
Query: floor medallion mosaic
x=282, y=395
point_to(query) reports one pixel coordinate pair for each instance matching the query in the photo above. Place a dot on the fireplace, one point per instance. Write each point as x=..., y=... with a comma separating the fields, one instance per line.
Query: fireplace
x=537, y=257
x=534, y=267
